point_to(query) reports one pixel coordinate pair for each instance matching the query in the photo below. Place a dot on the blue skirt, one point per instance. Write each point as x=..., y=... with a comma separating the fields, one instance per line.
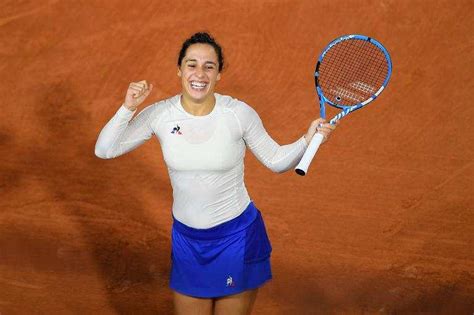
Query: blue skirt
x=226, y=259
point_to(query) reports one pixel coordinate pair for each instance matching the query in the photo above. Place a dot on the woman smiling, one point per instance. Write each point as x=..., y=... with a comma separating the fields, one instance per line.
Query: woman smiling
x=220, y=248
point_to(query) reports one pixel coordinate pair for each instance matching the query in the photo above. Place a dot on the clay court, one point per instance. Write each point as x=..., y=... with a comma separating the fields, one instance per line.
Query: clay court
x=382, y=224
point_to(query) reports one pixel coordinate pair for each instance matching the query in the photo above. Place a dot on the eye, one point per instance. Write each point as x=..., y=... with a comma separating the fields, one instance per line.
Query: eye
x=191, y=66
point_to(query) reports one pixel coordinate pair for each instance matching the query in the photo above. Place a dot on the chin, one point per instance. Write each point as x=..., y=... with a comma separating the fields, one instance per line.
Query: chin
x=199, y=97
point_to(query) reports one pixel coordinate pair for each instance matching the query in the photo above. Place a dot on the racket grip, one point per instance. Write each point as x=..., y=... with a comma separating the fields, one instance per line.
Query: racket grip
x=302, y=167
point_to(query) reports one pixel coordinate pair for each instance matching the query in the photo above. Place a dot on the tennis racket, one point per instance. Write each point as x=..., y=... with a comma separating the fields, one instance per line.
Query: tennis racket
x=350, y=73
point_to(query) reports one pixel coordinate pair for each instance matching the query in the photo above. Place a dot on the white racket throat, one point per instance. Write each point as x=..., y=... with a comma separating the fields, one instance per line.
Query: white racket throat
x=303, y=165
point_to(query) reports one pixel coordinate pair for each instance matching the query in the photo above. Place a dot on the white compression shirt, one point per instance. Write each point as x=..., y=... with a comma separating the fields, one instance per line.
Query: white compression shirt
x=204, y=154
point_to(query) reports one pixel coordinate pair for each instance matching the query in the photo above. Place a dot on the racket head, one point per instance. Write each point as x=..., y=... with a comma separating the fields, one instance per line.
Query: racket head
x=351, y=72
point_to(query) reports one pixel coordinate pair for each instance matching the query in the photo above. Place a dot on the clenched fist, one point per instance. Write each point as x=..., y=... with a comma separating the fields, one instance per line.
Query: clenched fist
x=137, y=92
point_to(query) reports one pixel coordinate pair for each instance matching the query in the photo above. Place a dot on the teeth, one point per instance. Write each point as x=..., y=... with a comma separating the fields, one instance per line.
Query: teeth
x=198, y=85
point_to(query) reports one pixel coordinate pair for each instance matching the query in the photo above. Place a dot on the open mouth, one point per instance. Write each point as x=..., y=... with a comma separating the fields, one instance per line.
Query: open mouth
x=198, y=86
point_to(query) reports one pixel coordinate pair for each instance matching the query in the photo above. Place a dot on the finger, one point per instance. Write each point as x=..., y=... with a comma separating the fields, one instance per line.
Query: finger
x=141, y=83
x=147, y=92
x=314, y=124
x=135, y=91
x=138, y=86
x=321, y=130
x=144, y=84
x=329, y=126
x=324, y=133
x=325, y=129
x=135, y=88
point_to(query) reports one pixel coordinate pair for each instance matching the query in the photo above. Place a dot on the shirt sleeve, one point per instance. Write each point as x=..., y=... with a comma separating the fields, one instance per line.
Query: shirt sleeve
x=123, y=134
x=278, y=158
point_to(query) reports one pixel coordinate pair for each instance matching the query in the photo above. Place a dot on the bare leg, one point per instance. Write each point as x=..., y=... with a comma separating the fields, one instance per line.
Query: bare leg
x=237, y=304
x=188, y=305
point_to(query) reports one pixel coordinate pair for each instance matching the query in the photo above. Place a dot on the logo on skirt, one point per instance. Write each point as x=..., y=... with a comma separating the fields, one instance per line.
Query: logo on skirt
x=230, y=282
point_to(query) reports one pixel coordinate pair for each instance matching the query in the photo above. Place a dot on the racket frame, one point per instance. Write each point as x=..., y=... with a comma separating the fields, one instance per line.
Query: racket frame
x=302, y=167
x=348, y=109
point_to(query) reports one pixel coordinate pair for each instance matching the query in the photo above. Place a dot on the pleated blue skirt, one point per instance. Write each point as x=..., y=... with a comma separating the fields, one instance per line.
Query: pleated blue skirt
x=229, y=258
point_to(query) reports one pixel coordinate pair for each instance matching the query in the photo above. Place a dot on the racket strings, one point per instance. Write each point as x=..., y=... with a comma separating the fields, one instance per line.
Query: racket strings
x=352, y=71
x=355, y=67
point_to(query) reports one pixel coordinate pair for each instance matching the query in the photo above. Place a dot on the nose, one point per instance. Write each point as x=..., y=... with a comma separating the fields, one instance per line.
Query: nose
x=199, y=72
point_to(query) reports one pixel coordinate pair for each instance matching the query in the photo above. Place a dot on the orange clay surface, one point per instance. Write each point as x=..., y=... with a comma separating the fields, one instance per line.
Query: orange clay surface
x=382, y=224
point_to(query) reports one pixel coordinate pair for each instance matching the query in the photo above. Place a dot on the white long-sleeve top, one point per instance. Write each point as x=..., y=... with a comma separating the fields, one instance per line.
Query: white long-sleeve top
x=204, y=154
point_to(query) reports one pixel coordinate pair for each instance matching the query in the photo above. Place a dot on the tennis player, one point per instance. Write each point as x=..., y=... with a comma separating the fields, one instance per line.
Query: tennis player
x=220, y=248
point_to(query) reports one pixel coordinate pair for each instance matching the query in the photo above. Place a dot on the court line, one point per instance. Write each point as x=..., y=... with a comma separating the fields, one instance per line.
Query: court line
x=24, y=14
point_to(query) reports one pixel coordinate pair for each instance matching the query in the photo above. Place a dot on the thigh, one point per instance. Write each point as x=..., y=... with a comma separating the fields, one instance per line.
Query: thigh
x=236, y=304
x=188, y=305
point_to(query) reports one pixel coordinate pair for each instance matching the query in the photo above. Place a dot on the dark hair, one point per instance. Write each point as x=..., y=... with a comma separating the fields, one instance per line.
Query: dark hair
x=202, y=38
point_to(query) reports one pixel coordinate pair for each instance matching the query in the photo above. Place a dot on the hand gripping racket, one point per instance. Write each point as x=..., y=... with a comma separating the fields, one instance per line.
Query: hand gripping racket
x=351, y=72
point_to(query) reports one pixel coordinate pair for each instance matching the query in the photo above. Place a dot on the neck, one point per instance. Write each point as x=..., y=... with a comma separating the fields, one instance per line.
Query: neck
x=198, y=108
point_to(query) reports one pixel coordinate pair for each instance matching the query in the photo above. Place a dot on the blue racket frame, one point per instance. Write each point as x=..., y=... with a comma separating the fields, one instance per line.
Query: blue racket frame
x=348, y=109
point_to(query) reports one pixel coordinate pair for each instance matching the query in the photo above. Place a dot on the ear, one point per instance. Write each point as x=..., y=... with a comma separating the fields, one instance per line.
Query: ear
x=179, y=72
x=218, y=76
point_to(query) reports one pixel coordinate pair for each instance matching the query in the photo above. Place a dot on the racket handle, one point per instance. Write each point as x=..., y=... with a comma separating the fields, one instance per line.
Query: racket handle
x=302, y=167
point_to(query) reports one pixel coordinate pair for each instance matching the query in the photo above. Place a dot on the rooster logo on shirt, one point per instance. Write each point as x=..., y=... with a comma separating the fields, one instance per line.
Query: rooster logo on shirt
x=176, y=130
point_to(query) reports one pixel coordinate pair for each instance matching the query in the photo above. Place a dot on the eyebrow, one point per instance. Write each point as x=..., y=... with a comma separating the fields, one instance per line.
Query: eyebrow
x=195, y=60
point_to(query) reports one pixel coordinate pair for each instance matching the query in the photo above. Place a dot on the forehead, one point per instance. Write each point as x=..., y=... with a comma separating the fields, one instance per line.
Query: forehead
x=201, y=52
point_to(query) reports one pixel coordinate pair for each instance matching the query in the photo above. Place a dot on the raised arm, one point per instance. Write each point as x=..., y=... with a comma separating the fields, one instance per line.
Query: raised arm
x=122, y=134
